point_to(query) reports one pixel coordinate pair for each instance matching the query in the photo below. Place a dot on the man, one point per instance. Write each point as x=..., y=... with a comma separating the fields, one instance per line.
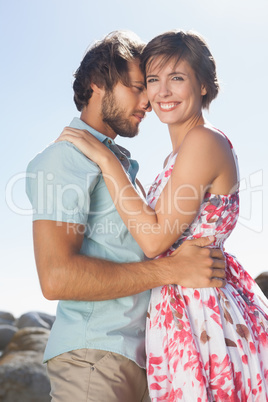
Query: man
x=85, y=256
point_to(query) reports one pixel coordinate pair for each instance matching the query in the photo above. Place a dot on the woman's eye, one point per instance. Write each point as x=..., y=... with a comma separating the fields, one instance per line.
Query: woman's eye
x=177, y=78
x=151, y=80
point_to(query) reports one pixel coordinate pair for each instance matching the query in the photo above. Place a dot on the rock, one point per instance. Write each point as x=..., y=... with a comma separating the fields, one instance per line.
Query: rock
x=262, y=281
x=48, y=318
x=29, y=339
x=6, y=318
x=6, y=333
x=35, y=319
x=23, y=376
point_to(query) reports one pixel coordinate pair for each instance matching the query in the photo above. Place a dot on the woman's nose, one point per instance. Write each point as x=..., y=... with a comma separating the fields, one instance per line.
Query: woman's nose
x=164, y=90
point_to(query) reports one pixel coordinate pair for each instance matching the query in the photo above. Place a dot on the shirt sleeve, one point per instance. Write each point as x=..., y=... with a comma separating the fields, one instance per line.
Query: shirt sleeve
x=59, y=183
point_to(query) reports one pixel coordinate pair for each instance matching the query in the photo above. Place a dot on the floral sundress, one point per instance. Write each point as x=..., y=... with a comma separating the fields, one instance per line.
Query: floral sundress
x=208, y=344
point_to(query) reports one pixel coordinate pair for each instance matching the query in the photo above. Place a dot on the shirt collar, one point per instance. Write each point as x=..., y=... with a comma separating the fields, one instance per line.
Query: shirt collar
x=78, y=123
x=131, y=166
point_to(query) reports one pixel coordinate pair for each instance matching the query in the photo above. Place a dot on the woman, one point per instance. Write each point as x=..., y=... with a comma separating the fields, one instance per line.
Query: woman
x=202, y=344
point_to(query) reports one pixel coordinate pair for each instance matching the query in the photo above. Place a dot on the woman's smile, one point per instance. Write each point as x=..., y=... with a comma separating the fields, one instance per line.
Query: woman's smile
x=168, y=106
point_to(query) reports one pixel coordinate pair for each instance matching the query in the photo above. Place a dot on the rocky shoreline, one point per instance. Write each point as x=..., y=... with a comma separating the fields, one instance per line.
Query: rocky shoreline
x=23, y=375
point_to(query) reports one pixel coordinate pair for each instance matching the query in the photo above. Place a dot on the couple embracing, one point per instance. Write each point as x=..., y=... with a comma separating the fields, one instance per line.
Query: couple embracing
x=206, y=320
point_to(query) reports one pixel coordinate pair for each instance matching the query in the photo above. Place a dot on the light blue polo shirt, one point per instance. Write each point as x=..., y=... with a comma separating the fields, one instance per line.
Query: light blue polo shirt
x=64, y=185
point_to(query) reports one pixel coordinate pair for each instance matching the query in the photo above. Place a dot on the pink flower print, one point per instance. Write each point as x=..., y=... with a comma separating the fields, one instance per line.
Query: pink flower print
x=154, y=361
x=217, y=319
x=196, y=294
x=154, y=187
x=245, y=359
x=168, y=172
x=213, y=340
x=211, y=303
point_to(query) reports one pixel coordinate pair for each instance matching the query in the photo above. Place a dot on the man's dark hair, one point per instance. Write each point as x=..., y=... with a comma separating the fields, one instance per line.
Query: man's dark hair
x=105, y=64
x=188, y=46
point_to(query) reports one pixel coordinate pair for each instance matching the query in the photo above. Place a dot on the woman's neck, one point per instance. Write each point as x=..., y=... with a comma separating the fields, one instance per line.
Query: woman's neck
x=178, y=132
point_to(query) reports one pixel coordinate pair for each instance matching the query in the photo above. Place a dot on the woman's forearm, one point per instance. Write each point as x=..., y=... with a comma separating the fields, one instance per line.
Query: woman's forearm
x=148, y=227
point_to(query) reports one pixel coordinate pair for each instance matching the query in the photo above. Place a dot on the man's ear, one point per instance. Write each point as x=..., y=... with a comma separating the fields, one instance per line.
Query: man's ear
x=203, y=90
x=96, y=89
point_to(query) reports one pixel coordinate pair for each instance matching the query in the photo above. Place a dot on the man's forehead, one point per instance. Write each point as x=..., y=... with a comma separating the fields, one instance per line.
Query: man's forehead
x=135, y=73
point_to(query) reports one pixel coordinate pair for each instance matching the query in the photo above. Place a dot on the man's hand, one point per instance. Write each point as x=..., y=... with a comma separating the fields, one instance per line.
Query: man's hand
x=66, y=274
x=198, y=266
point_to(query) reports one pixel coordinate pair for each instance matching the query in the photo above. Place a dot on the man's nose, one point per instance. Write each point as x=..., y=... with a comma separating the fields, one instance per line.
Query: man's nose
x=148, y=107
x=145, y=104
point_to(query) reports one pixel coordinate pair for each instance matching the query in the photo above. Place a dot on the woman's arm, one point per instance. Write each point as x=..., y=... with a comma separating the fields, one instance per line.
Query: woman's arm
x=200, y=161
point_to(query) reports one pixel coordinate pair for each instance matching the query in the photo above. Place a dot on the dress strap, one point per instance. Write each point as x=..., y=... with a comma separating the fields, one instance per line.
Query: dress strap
x=234, y=154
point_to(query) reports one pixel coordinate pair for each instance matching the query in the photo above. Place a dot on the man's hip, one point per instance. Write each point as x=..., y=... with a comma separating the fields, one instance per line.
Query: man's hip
x=96, y=376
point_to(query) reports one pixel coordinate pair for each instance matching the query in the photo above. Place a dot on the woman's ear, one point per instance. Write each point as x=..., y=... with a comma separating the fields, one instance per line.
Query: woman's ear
x=203, y=90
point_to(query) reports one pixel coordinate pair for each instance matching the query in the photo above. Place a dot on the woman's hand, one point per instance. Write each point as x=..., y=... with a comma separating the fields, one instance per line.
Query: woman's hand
x=86, y=143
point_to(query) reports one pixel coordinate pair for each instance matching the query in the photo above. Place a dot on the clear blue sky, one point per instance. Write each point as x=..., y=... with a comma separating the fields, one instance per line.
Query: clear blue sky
x=43, y=42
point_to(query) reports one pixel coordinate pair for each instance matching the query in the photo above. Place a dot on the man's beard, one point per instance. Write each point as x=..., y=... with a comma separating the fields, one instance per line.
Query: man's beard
x=115, y=117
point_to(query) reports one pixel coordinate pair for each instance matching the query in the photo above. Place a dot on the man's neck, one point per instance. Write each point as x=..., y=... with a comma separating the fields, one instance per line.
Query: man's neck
x=94, y=120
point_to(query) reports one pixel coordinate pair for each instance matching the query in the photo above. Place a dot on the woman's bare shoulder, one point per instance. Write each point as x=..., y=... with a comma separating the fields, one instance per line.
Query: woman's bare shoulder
x=206, y=133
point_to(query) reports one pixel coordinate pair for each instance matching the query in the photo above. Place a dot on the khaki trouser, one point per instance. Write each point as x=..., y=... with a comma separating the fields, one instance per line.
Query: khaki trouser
x=96, y=375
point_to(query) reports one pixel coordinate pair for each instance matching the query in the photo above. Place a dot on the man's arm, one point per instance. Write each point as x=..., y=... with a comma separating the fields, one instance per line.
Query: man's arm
x=65, y=274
